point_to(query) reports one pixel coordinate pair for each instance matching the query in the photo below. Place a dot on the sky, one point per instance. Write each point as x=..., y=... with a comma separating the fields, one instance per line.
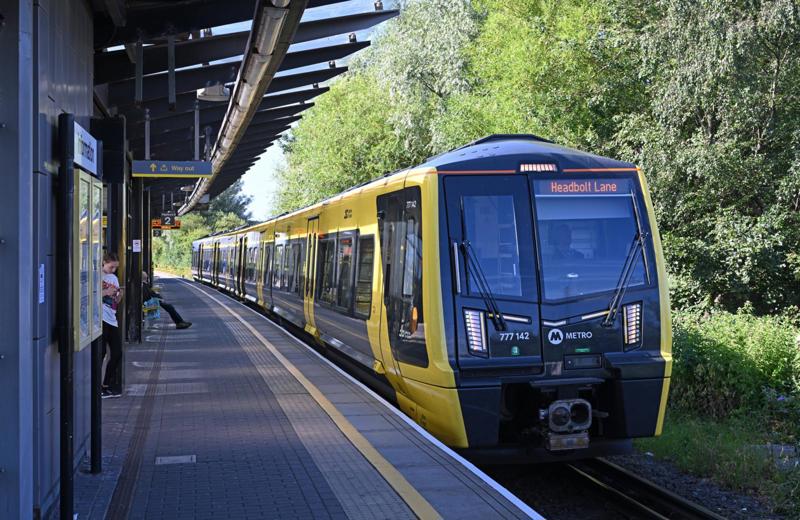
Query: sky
x=259, y=181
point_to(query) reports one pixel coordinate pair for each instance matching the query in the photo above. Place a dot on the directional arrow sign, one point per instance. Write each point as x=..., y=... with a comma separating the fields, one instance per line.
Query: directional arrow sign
x=180, y=169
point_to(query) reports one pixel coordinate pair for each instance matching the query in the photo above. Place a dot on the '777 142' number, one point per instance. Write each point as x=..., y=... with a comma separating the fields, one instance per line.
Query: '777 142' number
x=514, y=336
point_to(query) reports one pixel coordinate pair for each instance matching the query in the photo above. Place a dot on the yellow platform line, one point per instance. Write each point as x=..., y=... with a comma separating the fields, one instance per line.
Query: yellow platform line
x=415, y=501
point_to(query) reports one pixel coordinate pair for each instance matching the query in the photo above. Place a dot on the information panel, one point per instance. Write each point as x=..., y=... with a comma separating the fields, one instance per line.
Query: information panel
x=84, y=237
x=87, y=258
x=97, y=259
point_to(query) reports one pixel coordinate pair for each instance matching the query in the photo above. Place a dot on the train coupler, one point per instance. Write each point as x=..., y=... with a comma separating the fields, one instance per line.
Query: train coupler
x=566, y=441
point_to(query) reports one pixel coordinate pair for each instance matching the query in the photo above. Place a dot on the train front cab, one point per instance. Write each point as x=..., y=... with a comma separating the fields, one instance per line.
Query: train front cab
x=529, y=265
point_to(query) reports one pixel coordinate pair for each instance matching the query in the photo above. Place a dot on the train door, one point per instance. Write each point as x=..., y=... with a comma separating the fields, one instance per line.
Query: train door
x=312, y=231
x=491, y=246
x=402, y=316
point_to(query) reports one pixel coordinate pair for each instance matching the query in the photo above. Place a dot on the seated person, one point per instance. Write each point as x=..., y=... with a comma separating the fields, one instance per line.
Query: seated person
x=148, y=292
x=561, y=238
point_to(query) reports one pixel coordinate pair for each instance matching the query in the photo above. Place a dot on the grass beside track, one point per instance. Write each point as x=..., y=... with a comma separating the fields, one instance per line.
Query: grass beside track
x=729, y=452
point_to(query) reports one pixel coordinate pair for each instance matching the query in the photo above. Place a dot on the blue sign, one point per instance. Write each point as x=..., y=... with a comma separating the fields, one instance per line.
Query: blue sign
x=178, y=169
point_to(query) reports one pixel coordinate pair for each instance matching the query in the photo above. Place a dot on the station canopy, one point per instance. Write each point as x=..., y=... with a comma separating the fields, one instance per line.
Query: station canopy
x=174, y=63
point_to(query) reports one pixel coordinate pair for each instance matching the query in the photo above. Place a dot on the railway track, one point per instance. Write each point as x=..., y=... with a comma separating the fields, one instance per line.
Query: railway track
x=640, y=497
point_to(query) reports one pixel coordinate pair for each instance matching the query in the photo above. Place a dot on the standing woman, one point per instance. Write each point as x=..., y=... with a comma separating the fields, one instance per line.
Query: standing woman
x=112, y=336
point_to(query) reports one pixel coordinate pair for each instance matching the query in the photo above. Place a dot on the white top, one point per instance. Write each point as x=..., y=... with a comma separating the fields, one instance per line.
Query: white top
x=109, y=305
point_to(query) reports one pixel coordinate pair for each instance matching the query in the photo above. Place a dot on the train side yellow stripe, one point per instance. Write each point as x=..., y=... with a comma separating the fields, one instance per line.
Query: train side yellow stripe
x=421, y=507
x=664, y=305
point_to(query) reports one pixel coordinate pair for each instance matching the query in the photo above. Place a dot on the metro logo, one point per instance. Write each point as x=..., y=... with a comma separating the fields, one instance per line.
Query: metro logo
x=555, y=336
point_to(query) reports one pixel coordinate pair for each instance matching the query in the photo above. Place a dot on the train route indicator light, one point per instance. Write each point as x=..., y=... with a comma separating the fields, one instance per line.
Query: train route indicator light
x=171, y=169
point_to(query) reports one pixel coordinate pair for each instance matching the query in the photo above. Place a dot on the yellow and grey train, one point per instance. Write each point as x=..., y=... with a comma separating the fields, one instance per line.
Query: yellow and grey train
x=510, y=295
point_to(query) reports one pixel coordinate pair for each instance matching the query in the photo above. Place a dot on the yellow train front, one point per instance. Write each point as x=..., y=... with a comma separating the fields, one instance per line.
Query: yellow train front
x=509, y=295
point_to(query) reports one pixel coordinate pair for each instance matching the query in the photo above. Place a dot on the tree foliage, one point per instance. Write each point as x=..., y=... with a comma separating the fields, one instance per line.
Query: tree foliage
x=720, y=141
x=704, y=95
x=233, y=201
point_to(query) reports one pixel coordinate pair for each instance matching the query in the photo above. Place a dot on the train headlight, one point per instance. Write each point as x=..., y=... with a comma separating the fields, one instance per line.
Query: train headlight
x=476, y=332
x=632, y=325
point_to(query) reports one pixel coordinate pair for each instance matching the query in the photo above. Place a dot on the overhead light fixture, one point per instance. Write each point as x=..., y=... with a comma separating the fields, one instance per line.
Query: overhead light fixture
x=217, y=92
x=187, y=188
x=272, y=23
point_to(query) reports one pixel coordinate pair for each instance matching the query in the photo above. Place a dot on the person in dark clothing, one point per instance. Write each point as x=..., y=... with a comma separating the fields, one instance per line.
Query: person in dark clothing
x=148, y=293
x=561, y=238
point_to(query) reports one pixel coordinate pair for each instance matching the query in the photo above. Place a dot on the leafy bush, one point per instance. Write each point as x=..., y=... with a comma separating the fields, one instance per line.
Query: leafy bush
x=727, y=362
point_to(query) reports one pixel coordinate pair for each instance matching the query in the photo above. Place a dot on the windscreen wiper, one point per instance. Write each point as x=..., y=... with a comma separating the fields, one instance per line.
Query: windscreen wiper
x=474, y=267
x=637, y=245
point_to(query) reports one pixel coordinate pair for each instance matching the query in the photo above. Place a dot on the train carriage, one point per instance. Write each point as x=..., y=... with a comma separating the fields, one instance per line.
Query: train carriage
x=510, y=295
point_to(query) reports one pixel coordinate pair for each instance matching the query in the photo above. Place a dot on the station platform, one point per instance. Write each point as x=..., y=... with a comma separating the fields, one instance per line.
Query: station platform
x=235, y=418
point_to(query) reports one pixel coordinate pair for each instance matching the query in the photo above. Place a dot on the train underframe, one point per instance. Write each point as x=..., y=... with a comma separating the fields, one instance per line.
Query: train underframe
x=533, y=420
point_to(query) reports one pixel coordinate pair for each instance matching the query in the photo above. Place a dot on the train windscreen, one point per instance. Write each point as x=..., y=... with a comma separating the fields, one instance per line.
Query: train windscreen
x=585, y=229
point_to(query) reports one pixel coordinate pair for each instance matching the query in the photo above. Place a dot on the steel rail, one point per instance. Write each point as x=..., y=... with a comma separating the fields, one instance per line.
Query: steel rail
x=639, y=494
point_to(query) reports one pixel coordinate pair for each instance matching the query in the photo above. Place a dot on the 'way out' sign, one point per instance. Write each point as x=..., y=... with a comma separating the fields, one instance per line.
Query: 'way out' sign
x=188, y=169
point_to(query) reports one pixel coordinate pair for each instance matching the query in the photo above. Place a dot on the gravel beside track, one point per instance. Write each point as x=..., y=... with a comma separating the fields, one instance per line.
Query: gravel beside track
x=555, y=492
x=730, y=504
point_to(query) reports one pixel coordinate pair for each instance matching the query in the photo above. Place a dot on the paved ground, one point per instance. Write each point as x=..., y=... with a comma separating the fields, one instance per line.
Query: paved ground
x=233, y=419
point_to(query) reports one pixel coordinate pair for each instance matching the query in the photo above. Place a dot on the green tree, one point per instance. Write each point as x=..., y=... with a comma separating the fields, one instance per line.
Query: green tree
x=173, y=250
x=344, y=140
x=232, y=200
x=559, y=69
x=720, y=142
x=704, y=95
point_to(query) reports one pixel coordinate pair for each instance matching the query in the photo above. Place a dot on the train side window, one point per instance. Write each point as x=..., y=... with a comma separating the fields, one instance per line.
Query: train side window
x=412, y=257
x=287, y=274
x=299, y=252
x=327, y=275
x=344, y=261
x=293, y=266
x=249, y=264
x=366, y=260
x=267, y=264
x=278, y=263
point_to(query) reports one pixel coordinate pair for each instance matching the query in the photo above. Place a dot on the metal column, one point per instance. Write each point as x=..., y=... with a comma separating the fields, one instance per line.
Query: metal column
x=147, y=239
x=64, y=308
x=133, y=301
x=16, y=257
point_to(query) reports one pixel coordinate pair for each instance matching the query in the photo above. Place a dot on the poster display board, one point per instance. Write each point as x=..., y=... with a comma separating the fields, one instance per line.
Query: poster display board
x=87, y=259
x=97, y=258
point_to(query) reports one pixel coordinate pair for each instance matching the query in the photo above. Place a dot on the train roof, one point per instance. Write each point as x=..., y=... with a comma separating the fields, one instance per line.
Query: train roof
x=495, y=152
x=507, y=151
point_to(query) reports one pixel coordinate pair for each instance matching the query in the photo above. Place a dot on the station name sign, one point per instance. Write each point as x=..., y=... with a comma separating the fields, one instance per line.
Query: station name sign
x=85, y=149
x=174, y=169
x=583, y=186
